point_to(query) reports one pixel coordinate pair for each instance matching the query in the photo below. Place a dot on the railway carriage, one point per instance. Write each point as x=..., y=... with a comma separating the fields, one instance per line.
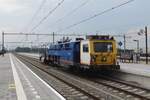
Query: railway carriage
x=95, y=52
x=65, y=54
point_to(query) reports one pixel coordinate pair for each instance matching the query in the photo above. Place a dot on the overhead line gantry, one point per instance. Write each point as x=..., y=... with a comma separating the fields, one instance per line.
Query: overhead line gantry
x=34, y=34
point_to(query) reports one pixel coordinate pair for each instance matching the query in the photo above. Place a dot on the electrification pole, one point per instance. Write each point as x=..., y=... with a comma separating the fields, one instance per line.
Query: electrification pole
x=124, y=47
x=138, y=46
x=124, y=43
x=53, y=37
x=146, y=44
x=2, y=41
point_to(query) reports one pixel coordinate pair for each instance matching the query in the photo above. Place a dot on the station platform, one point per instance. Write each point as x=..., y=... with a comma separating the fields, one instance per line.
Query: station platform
x=136, y=68
x=18, y=82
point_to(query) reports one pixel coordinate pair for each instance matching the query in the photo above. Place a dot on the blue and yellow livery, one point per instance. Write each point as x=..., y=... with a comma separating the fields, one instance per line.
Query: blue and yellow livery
x=95, y=52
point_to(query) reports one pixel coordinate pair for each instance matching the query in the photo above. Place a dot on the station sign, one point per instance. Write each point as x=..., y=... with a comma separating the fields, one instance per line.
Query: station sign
x=120, y=43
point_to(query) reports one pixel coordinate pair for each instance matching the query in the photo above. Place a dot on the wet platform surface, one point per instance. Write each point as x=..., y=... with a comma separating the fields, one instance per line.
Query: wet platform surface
x=7, y=84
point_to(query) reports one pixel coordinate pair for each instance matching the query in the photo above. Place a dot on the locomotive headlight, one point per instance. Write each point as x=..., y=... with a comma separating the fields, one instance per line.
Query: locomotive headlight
x=104, y=59
x=93, y=58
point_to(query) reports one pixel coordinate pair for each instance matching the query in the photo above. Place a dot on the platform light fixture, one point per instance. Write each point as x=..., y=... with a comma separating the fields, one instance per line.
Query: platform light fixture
x=137, y=45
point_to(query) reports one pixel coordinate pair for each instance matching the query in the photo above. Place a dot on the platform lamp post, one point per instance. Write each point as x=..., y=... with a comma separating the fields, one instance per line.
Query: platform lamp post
x=142, y=31
x=137, y=45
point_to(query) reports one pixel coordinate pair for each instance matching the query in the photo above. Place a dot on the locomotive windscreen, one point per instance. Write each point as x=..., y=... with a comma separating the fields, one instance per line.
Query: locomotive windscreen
x=103, y=47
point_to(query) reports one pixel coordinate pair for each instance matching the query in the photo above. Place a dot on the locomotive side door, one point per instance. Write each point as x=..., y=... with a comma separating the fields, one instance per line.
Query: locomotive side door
x=85, y=52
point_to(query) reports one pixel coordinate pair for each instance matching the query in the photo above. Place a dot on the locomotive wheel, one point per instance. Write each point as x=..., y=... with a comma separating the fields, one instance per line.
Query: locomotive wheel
x=45, y=61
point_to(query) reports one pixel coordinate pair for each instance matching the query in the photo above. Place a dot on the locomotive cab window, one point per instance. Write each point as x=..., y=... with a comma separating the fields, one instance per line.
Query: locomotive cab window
x=85, y=48
x=103, y=47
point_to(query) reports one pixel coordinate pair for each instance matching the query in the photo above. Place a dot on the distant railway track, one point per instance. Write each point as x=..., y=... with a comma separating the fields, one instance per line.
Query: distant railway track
x=93, y=88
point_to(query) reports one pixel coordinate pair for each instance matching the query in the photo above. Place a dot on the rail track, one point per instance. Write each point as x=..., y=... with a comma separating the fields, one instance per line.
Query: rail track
x=70, y=88
x=89, y=88
x=124, y=89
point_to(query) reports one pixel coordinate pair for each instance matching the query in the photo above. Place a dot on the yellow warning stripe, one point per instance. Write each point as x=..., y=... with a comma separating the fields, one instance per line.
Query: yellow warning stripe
x=11, y=86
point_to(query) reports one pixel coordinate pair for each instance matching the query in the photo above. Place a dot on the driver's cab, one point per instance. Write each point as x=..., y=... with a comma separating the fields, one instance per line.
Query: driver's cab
x=98, y=52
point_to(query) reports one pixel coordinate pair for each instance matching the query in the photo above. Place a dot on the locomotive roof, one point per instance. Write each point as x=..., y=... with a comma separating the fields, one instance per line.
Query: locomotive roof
x=99, y=37
x=64, y=42
x=89, y=37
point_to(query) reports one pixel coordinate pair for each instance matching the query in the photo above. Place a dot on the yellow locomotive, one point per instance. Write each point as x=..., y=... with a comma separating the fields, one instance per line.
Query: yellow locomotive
x=98, y=52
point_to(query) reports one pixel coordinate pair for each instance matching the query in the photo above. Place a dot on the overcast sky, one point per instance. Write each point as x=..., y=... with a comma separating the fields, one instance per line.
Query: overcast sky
x=16, y=16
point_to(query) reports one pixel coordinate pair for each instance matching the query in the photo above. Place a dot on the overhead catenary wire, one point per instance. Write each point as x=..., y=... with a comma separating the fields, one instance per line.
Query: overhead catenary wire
x=72, y=11
x=35, y=14
x=96, y=15
x=48, y=14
